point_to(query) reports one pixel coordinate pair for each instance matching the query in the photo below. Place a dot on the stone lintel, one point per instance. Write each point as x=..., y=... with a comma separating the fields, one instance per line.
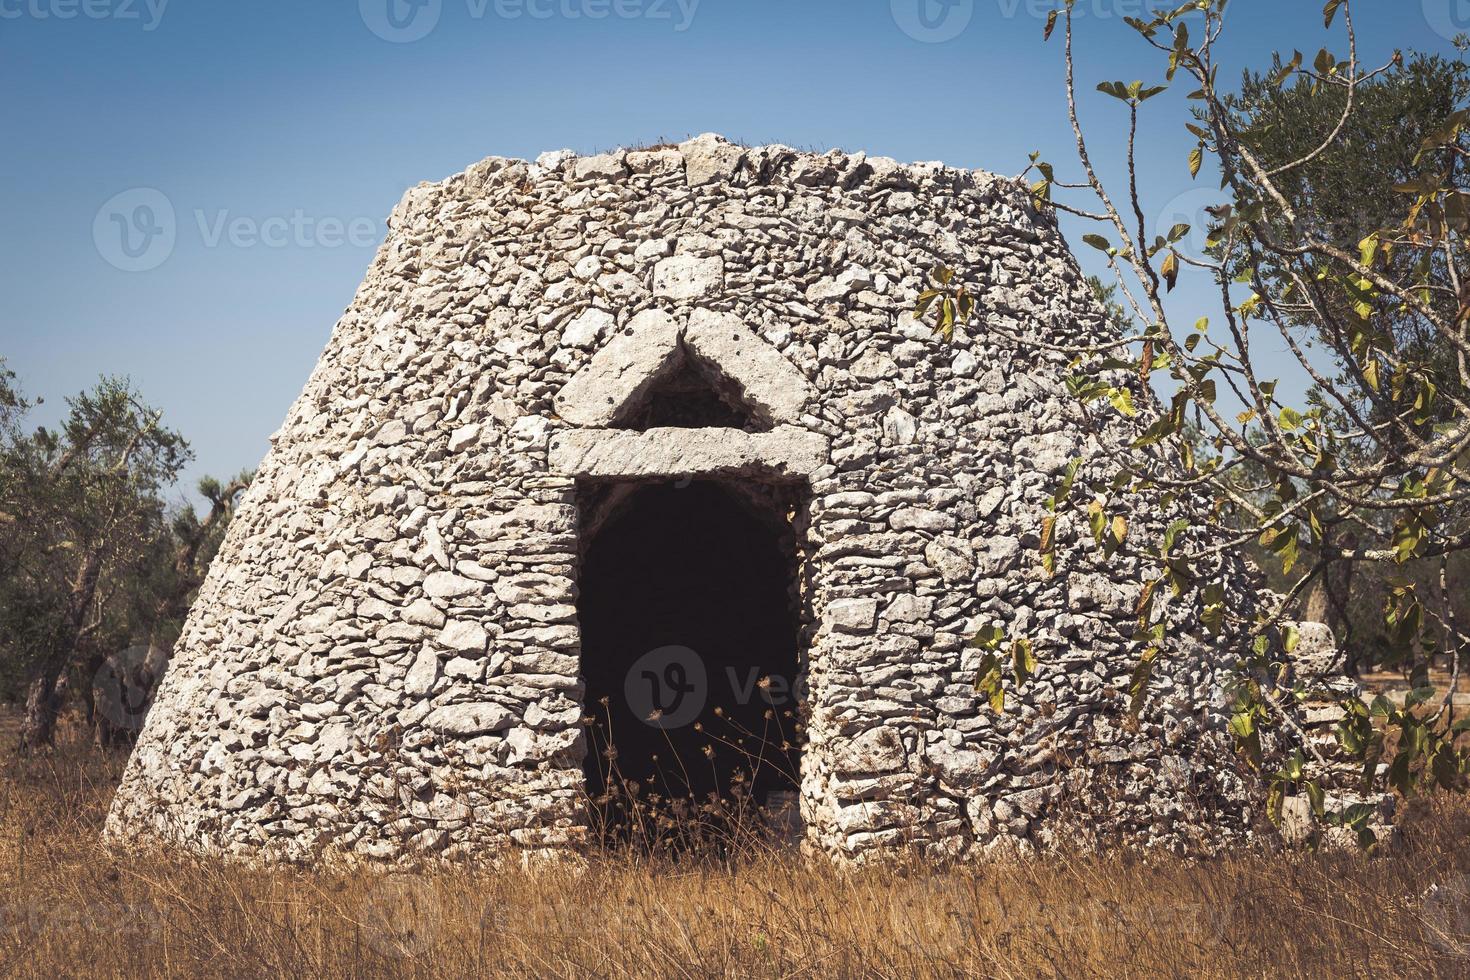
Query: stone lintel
x=786, y=452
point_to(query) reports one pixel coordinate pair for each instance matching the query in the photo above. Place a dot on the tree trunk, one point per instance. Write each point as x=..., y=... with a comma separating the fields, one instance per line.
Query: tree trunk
x=42, y=700
x=1339, y=588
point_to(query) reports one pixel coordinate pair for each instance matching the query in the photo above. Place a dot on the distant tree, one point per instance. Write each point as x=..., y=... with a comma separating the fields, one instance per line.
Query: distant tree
x=1344, y=194
x=85, y=505
x=122, y=673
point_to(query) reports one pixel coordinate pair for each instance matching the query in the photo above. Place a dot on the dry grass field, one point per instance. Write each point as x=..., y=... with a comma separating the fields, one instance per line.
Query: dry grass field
x=69, y=908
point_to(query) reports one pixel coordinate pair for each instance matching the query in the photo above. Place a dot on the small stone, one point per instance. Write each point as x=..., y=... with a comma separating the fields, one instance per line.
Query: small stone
x=465, y=636
x=464, y=437
x=422, y=612
x=852, y=615
x=470, y=719
x=876, y=750
x=686, y=277
x=586, y=329
x=899, y=427
x=919, y=519
x=709, y=158
x=991, y=501
x=423, y=673
x=654, y=248
x=588, y=267
x=874, y=365
x=604, y=165
x=447, y=585
x=465, y=668
x=909, y=609
x=950, y=557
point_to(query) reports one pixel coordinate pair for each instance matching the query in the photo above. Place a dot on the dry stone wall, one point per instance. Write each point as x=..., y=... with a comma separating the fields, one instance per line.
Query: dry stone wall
x=384, y=659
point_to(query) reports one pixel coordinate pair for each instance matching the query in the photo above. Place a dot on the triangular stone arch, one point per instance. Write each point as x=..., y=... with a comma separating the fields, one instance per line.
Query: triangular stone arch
x=654, y=346
x=693, y=396
x=609, y=390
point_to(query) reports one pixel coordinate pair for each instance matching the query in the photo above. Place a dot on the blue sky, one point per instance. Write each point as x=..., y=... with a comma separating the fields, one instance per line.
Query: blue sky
x=282, y=132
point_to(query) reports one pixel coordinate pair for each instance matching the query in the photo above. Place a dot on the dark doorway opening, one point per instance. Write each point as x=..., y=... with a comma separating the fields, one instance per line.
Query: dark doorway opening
x=688, y=610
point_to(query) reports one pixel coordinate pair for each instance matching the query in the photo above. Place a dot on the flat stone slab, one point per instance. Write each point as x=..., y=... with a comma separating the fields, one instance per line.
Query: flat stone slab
x=689, y=277
x=632, y=362
x=772, y=386
x=787, y=451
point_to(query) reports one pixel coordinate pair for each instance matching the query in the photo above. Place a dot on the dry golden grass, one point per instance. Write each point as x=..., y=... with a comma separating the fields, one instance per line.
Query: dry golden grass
x=70, y=908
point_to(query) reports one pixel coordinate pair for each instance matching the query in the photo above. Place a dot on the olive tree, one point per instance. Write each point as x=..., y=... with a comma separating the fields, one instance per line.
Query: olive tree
x=83, y=505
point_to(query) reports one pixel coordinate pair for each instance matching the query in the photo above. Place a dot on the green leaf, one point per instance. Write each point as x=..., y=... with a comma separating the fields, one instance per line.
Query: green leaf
x=1023, y=660
x=1400, y=776
x=1170, y=270
x=1138, y=684
x=988, y=637
x=1418, y=696
x=1196, y=160
x=990, y=684
x=1171, y=533
x=1068, y=480
x=1329, y=12
x=1122, y=400
x=1279, y=77
x=1098, y=242
x=1370, y=374
x=1368, y=249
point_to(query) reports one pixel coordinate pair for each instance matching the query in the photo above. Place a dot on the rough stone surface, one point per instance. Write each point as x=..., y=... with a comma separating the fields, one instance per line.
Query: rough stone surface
x=622, y=371
x=1317, y=665
x=386, y=650
x=785, y=452
x=772, y=387
x=686, y=277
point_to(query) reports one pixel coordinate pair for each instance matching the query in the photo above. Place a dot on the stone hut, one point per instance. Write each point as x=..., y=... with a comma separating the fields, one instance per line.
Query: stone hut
x=610, y=451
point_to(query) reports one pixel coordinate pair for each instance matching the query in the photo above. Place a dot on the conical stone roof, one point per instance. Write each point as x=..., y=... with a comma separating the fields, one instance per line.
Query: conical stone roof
x=384, y=660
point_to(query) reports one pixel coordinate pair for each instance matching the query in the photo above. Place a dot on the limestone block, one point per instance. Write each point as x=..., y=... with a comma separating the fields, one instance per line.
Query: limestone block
x=626, y=367
x=709, y=158
x=770, y=384
x=464, y=636
x=469, y=719
x=688, y=277
x=786, y=452
x=587, y=328
x=852, y=615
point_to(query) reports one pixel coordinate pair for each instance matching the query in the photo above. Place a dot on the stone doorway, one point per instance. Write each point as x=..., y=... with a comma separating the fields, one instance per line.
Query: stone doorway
x=690, y=622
